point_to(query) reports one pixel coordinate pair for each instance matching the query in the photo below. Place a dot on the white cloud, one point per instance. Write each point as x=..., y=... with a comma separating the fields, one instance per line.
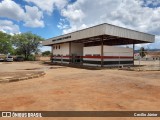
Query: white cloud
x=62, y=24
x=48, y=5
x=10, y=9
x=133, y=14
x=74, y=28
x=8, y=27
x=155, y=45
x=34, y=23
x=72, y=13
x=125, y=13
x=31, y=16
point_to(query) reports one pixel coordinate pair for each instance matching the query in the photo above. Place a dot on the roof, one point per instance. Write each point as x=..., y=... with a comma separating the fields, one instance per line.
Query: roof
x=107, y=30
x=153, y=53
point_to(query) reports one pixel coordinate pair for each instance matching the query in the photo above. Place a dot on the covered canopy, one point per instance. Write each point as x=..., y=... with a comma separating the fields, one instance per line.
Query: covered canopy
x=109, y=34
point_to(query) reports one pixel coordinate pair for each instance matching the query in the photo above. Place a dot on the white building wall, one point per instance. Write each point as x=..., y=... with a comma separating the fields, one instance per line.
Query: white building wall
x=61, y=55
x=92, y=55
x=64, y=49
x=112, y=55
x=77, y=48
x=92, y=50
x=108, y=51
x=117, y=51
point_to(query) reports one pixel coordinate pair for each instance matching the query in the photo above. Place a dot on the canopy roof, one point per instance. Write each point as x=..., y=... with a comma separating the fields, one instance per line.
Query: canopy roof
x=110, y=34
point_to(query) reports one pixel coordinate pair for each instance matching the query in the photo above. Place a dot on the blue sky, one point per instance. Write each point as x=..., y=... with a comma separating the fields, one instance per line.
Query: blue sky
x=49, y=18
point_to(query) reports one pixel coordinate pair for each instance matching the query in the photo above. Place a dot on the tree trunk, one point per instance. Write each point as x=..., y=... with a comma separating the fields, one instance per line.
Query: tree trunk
x=25, y=54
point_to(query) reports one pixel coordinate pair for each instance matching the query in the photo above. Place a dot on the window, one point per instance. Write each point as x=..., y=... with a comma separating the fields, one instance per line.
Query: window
x=59, y=46
x=96, y=54
x=53, y=47
x=56, y=46
x=88, y=55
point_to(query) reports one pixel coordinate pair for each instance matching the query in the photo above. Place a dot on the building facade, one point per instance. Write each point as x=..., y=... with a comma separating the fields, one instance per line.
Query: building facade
x=97, y=46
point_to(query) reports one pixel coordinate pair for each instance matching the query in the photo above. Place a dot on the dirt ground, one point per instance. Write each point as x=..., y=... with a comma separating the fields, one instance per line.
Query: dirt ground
x=72, y=89
x=148, y=65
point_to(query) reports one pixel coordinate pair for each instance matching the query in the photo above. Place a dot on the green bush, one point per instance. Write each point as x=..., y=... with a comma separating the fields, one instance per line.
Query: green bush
x=31, y=58
x=46, y=53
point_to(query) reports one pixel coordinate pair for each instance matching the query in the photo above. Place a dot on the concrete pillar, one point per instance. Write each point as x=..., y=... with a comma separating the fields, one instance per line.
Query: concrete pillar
x=133, y=52
x=51, y=57
x=70, y=52
x=102, y=60
x=52, y=50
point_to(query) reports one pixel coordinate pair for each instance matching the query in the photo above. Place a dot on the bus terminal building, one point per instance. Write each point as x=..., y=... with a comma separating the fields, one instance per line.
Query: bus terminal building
x=99, y=45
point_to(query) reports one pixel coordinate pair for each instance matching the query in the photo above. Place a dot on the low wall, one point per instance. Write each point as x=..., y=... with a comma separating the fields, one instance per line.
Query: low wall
x=113, y=56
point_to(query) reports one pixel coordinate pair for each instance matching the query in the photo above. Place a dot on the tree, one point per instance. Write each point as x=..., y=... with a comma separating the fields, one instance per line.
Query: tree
x=46, y=53
x=142, y=52
x=5, y=43
x=27, y=43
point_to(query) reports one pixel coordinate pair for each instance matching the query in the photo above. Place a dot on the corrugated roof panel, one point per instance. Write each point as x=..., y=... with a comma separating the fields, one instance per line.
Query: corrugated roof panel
x=127, y=33
x=103, y=29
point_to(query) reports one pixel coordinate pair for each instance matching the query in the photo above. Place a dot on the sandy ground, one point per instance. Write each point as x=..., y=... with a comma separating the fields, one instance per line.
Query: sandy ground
x=148, y=65
x=65, y=88
x=19, y=66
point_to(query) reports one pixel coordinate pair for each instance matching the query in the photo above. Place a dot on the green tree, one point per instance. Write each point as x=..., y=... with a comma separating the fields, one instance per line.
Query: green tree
x=5, y=44
x=27, y=44
x=46, y=53
x=142, y=52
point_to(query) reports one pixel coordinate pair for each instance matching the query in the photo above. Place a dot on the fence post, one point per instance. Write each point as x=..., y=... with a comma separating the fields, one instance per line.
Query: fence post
x=61, y=59
x=139, y=60
x=119, y=60
x=159, y=63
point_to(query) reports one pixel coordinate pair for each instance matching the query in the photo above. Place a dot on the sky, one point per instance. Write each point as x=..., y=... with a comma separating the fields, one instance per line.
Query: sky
x=50, y=18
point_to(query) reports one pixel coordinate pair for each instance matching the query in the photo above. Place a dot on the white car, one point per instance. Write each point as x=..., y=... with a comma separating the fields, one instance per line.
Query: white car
x=1, y=59
x=9, y=59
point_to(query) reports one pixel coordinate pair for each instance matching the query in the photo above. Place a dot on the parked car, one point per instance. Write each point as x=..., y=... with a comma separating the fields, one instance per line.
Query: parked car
x=1, y=59
x=19, y=58
x=9, y=59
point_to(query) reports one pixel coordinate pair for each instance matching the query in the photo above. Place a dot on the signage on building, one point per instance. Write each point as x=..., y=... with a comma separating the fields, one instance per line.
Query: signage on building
x=62, y=38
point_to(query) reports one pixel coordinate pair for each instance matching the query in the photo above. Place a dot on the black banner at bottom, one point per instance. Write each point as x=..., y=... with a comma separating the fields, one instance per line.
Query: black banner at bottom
x=79, y=114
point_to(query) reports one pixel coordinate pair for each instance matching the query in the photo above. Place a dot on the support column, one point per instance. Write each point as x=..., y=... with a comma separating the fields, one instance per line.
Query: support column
x=133, y=52
x=51, y=56
x=102, y=60
x=70, y=52
x=52, y=50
